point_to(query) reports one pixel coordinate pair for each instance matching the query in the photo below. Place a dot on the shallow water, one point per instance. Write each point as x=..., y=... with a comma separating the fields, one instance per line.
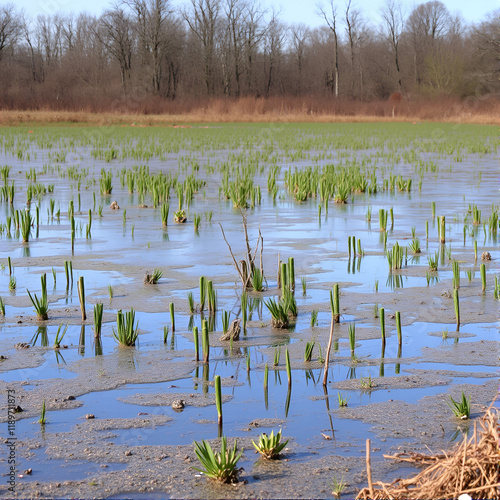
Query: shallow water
x=124, y=247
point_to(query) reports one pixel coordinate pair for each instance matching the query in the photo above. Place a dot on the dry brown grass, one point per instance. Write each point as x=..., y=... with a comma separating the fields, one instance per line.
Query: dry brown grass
x=311, y=109
x=473, y=467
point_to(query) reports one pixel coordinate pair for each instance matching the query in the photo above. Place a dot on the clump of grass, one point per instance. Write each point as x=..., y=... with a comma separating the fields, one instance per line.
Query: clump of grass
x=342, y=400
x=366, y=383
x=26, y=222
x=461, y=409
x=196, y=221
x=43, y=418
x=98, y=310
x=309, y=350
x=180, y=216
x=352, y=337
x=414, y=246
x=279, y=313
x=165, y=208
x=154, y=277
x=41, y=305
x=314, y=317
x=277, y=356
x=105, y=182
x=59, y=336
x=257, y=280
x=382, y=219
x=270, y=447
x=433, y=261
x=219, y=466
x=191, y=303
x=12, y=283
x=126, y=331
x=337, y=487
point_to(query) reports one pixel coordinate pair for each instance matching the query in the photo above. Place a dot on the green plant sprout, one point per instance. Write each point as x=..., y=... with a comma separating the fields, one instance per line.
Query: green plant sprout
x=219, y=466
x=270, y=447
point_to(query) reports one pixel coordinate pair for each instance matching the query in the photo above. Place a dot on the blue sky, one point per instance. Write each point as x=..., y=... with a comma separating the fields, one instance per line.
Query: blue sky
x=292, y=11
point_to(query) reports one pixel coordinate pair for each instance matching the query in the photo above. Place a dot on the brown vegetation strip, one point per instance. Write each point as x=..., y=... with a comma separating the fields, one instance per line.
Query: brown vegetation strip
x=473, y=467
x=311, y=109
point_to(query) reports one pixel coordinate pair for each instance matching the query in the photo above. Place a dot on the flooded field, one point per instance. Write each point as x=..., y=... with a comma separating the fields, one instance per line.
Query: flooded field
x=401, y=219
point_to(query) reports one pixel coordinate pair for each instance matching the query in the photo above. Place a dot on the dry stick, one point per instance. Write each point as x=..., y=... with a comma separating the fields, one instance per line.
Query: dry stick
x=462, y=469
x=368, y=468
x=327, y=357
x=232, y=255
x=261, y=251
x=249, y=250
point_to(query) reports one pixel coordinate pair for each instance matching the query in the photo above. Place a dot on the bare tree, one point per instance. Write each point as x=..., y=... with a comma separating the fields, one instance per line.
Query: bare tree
x=116, y=34
x=353, y=29
x=254, y=33
x=392, y=29
x=153, y=23
x=202, y=20
x=486, y=48
x=273, y=47
x=10, y=27
x=425, y=25
x=235, y=18
x=330, y=18
x=27, y=35
x=299, y=36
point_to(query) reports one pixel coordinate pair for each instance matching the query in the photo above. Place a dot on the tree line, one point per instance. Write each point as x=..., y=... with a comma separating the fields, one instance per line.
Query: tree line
x=141, y=49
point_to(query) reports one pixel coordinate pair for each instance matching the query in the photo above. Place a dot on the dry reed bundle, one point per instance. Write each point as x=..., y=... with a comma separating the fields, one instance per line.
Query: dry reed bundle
x=473, y=467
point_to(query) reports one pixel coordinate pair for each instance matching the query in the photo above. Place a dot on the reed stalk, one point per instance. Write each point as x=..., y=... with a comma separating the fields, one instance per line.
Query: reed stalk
x=244, y=308
x=382, y=324
x=442, y=231
x=398, y=328
x=171, y=308
x=482, y=269
x=456, y=303
x=218, y=398
x=205, y=342
x=202, y=292
x=288, y=367
x=196, y=344
x=335, y=303
x=81, y=297
x=352, y=337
